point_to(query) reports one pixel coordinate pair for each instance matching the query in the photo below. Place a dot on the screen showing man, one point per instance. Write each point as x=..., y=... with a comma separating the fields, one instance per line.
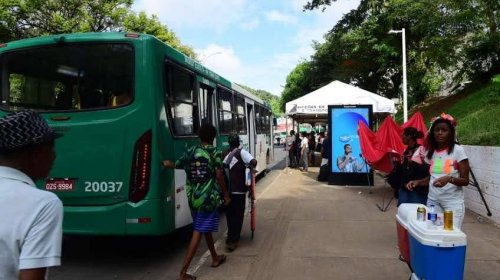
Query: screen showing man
x=347, y=162
x=345, y=147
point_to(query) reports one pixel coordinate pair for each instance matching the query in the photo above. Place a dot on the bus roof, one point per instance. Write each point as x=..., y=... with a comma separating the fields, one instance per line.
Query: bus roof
x=246, y=93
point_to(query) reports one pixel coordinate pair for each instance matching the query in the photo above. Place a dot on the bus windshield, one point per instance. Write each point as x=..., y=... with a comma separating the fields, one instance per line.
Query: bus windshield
x=67, y=77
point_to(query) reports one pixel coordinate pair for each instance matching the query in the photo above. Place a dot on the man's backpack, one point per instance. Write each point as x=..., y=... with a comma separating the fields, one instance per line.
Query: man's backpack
x=200, y=170
x=234, y=172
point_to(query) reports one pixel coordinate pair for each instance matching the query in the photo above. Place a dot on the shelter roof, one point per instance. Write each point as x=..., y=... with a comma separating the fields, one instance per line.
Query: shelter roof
x=314, y=105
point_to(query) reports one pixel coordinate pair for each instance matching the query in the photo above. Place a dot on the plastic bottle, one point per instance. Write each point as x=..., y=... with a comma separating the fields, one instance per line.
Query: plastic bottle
x=432, y=215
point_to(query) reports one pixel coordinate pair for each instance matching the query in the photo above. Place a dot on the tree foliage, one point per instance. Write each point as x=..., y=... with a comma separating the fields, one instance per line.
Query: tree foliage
x=315, y=4
x=447, y=42
x=23, y=19
x=269, y=98
x=141, y=23
x=298, y=83
x=32, y=18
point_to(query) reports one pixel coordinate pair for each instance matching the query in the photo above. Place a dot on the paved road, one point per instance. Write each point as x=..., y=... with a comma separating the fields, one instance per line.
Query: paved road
x=136, y=257
x=305, y=230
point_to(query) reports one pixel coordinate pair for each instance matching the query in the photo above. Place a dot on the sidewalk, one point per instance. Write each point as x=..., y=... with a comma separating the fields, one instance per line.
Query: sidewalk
x=311, y=230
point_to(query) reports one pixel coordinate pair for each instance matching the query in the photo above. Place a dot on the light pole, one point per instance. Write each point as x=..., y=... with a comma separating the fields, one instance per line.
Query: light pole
x=208, y=56
x=405, y=93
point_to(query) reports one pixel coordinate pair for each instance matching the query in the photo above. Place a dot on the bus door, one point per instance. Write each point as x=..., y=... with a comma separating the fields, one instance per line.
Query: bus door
x=206, y=102
x=252, y=136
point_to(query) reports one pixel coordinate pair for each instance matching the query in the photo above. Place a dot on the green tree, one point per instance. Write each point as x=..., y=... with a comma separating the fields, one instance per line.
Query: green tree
x=269, y=98
x=482, y=53
x=298, y=83
x=141, y=23
x=447, y=42
x=315, y=4
x=24, y=19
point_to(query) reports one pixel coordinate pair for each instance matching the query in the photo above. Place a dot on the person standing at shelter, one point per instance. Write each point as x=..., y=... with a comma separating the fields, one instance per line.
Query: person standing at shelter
x=203, y=166
x=291, y=149
x=324, y=171
x=449, y=168
x=311, y=145
x=319, y=143
x=30, y=219
x=297, y=146
x=325, y=149
x=409, y=170
x=236, y=160
x=304, y=151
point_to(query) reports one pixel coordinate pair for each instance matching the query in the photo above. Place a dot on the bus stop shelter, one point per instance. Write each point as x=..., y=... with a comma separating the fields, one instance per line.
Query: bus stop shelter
x=313, y=107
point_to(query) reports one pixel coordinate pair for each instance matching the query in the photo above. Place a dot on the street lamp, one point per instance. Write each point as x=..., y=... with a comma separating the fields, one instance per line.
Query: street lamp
x=208, y=56
x=405, y=93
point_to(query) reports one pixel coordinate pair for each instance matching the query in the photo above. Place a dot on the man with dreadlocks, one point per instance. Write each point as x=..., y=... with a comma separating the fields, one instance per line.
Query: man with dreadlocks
x=449, y=168
x=203, y=166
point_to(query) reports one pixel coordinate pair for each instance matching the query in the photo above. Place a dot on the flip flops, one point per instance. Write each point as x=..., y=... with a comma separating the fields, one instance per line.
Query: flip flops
x=187, y=277
x=220, y=260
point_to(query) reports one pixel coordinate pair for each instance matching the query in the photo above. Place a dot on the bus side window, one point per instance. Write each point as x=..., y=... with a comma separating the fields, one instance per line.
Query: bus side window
x=64, y=101
x=91, y=99
x=119, y=99
x=180, y=101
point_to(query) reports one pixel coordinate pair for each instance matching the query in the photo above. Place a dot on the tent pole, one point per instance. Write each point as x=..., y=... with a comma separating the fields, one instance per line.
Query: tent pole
x=286, y=144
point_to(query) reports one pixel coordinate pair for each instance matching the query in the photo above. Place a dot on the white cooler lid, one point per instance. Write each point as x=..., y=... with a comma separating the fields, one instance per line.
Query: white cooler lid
x=407, y=212
x=435, y=235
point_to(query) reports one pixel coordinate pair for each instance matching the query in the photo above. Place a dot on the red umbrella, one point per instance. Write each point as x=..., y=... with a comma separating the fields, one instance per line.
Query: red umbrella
x=251, y=195
x=380, y=148
x=375, y=156
x=417, y=121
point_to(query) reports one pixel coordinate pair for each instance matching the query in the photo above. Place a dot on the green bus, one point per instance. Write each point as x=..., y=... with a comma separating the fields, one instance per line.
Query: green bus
x=125, y=102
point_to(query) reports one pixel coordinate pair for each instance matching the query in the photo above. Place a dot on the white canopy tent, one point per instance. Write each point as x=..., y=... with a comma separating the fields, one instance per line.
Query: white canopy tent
x=313, y=107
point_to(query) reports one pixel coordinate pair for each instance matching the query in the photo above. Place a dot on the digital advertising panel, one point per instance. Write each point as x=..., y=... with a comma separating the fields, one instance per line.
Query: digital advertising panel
x=347, y=164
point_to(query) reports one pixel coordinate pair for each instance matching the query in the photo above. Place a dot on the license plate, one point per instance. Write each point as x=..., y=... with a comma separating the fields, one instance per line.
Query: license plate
x=60, y=185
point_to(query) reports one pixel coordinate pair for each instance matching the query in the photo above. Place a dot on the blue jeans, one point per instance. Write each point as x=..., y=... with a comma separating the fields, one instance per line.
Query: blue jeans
x=411, y=197
x=304, y=159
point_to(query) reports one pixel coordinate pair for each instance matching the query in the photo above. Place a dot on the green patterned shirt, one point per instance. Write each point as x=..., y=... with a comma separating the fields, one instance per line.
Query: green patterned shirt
x=200, y=163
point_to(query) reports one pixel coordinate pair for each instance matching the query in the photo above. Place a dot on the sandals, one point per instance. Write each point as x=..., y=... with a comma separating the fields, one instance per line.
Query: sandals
x=187, y=277
x=220, y=260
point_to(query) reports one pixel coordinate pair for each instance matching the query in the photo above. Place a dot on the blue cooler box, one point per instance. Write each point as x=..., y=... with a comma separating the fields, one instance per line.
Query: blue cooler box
x=435, y=253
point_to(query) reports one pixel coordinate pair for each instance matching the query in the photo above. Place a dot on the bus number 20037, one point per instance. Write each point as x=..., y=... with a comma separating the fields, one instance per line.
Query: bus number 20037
x=103, y=186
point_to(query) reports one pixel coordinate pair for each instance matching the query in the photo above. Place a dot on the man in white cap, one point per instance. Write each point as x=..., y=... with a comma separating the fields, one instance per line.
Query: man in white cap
x=31, y=219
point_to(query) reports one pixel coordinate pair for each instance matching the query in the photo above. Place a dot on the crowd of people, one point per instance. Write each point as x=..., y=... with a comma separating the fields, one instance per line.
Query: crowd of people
x=435, y=173
x=302, y=148
x=31, y=219
x=31, y=231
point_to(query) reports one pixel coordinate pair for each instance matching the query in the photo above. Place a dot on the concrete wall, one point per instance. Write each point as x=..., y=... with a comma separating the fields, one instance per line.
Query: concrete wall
x=485, y=163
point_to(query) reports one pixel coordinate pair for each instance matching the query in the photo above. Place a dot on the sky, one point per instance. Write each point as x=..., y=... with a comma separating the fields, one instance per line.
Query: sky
x=256, y=43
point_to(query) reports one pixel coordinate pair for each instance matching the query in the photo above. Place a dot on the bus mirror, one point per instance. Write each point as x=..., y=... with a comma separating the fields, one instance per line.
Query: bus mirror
x=275, y=122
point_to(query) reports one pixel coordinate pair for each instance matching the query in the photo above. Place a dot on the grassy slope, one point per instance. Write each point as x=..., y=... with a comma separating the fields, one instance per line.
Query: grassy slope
x=477, y=112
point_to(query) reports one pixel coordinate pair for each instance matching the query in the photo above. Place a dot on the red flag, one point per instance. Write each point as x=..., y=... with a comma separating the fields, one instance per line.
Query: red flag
x=380, y=148
x=417, y=121
x=370, y=148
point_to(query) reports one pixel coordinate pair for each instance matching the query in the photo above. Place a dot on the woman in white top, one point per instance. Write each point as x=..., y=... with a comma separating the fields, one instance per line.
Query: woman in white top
x=449, y=168
x=304, y=151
